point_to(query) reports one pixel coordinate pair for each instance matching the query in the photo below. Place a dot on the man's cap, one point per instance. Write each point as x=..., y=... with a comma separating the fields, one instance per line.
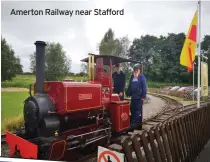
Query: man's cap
x=137, y=66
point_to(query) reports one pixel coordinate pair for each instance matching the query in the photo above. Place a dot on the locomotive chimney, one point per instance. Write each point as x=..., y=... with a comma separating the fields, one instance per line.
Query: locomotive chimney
x=40, y=55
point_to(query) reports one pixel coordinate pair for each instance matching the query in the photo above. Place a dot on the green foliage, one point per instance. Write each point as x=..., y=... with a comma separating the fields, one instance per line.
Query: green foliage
x=161, y=57
x=10, y=64
x=57, y=64
x=33, y=63
x=21, y=81
x=12, y=108
x=206, y=50
x=122, y=50
x=107, y=47
x=110, y=45
x=84, y=68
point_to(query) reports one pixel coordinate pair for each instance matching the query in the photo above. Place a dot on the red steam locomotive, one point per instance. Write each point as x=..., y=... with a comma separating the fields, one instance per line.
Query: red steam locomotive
x=64, y=119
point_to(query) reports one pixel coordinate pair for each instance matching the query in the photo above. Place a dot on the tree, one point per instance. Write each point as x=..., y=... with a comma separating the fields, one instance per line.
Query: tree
x=10, y=63
x=122, y=50
x=57, y=64
x=205, y=46
x=84, y=68
x=18, y=66
x=160, y=57
x=33, y=62
x=146, y=50
x=108, y=44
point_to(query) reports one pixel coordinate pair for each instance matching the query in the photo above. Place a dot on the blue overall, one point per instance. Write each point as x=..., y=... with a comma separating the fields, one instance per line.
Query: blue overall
x=137, y=89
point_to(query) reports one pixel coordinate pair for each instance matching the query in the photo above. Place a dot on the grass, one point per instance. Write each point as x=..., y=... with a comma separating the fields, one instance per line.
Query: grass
x=23, y=81
x=12, y=108
x=20, y=81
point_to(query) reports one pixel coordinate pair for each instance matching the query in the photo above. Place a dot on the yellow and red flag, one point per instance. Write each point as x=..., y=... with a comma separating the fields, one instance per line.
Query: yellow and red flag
x=189, y=49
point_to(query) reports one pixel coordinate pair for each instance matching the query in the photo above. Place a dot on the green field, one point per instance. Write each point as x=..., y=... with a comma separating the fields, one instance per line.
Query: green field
x=12, y=108
x=23, y=81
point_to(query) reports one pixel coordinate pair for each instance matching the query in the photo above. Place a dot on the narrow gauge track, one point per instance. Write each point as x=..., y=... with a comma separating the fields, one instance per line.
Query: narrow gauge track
x=173, y=108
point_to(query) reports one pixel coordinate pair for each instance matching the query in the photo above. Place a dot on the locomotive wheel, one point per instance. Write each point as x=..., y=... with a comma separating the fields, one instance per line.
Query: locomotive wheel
x=43, y=152
x=44, y=146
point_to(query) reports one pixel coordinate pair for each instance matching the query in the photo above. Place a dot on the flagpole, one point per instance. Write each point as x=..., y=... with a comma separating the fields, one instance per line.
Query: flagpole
x=198, y=48
x=193, y=82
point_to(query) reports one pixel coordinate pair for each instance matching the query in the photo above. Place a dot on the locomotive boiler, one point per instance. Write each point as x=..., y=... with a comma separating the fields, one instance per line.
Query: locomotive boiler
x=63, y=120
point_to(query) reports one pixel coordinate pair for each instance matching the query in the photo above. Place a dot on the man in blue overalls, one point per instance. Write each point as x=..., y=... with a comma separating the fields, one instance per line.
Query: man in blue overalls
x=137, y=89
x=119, y=82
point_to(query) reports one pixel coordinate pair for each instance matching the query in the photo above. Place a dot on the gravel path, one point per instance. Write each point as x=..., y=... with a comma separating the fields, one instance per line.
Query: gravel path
x=154, y=106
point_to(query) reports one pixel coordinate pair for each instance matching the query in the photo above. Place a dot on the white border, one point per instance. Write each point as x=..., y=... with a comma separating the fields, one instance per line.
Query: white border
x=112, y=0
x=12, y=159
x=21, y=160
x=0, y=87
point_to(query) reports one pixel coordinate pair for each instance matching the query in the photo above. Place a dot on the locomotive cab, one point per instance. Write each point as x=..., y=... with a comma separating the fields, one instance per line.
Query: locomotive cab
x=119, y=110
x=100, y=71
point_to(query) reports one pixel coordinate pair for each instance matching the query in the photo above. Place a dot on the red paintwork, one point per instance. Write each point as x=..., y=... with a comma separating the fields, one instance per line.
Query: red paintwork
x=79, y=96
x=74, y=96
x=27, y=149
x=77, y=100
x=120, y=117
x=115, y=97
x=57, y=150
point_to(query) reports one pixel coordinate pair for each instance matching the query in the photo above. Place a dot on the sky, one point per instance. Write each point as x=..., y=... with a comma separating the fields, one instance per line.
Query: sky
x=81, y=34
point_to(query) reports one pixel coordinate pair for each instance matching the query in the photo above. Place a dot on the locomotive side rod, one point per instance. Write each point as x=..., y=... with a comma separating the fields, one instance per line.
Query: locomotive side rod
x=72, y=137
x=88, y=143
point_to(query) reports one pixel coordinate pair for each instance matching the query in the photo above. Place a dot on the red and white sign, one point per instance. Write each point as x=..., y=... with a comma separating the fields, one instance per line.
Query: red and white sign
x=105, y=155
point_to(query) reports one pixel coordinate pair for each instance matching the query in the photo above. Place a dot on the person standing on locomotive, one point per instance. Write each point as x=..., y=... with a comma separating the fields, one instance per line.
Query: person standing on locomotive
x=137, y=89
x=119, y=82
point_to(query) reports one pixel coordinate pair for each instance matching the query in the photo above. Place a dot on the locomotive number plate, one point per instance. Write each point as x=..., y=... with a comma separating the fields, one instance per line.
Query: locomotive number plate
x=85, y=96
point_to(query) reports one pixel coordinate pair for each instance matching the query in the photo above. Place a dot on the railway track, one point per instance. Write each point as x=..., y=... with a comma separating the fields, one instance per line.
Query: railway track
x=171, y=109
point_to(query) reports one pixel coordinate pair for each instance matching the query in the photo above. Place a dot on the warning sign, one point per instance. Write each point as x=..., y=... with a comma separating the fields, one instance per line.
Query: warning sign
x=105, y=155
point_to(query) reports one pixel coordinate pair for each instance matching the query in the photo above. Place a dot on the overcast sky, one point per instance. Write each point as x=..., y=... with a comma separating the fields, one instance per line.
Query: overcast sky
x=80, y=35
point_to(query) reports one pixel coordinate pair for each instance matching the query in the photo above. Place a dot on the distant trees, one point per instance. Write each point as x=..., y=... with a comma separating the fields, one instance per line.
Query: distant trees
x=84, y=68
x=110, y=45
x=205, y=46
x=10, y=64
x=160, y=56
x=57, y=64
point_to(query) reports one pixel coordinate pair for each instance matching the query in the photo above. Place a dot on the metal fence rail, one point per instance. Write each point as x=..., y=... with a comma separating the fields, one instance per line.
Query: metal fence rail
x=180, y=139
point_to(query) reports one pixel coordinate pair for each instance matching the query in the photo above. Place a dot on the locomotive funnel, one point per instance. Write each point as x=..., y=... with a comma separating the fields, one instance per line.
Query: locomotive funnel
x=40, y=55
